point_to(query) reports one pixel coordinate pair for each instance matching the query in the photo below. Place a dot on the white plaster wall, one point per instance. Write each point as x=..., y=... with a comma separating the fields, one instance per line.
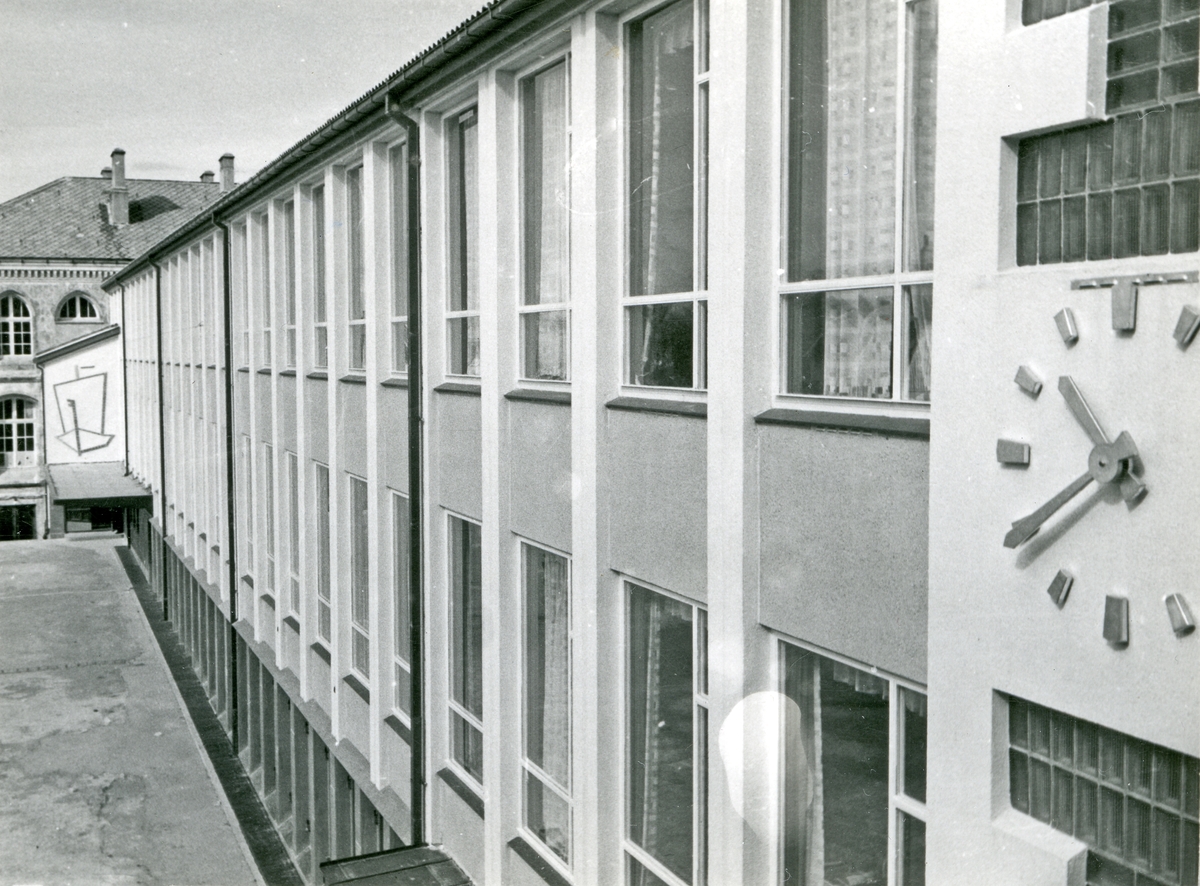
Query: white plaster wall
x=100, y=405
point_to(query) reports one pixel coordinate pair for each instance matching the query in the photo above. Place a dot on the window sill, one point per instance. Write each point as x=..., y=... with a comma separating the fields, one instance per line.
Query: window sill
x=537, y=395
x=460, y=787
x=685, y=408
x=359, y=689
x=292, y=622
x=455, y=387
x=248, y=580
x=353, y=379
x=534, y=859
x=398, y=726
x=863, y=422
x=266, y=370
x=243, y=369
x=322, y=652
x=290, y=373
x=318, y=374
x=268, y=599
x=394, y=383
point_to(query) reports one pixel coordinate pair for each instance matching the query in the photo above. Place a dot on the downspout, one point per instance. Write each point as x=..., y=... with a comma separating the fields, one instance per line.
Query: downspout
x=230, y=509
x=415, y=471
x=162, y=434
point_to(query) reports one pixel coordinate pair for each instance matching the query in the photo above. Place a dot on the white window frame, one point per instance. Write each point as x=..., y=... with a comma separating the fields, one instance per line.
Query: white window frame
x=288, y=283
x=898, y=801
x=563, y=792
x=260, y=259
x=360, y=596
x=399, y=261
x=564, y=306
x=451, y=121
x=16, y=330
x=401, y=667
x=293, y=500
x=700, y=750
x=268, y=489
x=323, y=538
x=897, y=280
x=246, y=458
x=698, y=297
x=240, y=279
x=317, y=195
x=355, y=255
x=80, y=300
x=455, y=708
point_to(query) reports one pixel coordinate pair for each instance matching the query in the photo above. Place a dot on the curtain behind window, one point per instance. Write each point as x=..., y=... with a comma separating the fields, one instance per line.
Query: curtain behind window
x=661, y=733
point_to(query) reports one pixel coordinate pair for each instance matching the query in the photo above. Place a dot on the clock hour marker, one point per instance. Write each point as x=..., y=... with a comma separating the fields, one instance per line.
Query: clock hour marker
x=1011, y=452
x=1182, y=622
x=1060, y=587
x=1028, y=381
x=1185, y=329
x=1065, y=321
x=1124, y=304
x=1116, y=620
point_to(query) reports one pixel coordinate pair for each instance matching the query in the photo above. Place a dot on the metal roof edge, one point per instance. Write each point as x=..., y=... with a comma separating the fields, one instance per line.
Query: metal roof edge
x=466, y=35
x=77, y=344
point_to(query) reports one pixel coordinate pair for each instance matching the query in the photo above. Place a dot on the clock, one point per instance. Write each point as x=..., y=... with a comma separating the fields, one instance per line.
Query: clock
x=1107, y=408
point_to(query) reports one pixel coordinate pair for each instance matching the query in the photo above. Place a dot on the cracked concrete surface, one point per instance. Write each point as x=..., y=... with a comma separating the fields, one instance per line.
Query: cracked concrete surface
x=101, y=782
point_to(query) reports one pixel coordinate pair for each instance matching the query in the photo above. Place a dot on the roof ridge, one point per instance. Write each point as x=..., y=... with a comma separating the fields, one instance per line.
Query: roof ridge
x=28, y=194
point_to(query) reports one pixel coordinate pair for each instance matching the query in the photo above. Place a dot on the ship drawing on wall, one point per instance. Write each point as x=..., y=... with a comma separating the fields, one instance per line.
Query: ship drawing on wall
x=81, y=411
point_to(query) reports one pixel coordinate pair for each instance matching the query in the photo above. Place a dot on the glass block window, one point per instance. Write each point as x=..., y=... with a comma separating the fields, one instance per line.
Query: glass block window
x=1125, y=187
x=1153, y=48
x=1034, y=11
x=1134, y=803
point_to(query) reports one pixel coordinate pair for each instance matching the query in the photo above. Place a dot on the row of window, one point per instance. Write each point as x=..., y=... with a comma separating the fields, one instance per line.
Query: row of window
x=16, y=322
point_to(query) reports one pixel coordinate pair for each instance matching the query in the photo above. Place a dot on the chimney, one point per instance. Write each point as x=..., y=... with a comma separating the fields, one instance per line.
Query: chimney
x=106, y=173
x=118, y=195
x=207, y=176
x=227, y=172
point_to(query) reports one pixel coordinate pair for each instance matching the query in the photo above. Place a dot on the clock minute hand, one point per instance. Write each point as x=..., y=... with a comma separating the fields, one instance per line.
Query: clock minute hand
x=1025, y=528
x=1082, y=412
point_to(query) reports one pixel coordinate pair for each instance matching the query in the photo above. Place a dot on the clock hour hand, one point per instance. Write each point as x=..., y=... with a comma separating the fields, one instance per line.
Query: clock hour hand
x=1082, y=412
x=1025, y=528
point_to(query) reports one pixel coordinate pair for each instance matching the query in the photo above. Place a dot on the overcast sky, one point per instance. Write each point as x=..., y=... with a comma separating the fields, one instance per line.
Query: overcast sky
x=177, y=83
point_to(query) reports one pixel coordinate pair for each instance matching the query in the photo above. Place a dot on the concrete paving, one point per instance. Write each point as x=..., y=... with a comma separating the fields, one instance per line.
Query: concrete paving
x=102, y=780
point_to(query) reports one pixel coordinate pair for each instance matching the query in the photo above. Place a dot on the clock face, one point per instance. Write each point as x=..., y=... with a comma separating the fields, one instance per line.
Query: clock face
x=1099, y=458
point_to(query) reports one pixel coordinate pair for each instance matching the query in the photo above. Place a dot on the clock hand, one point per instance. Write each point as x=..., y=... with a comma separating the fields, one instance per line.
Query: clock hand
x=1082, y=412
x=1025, y=528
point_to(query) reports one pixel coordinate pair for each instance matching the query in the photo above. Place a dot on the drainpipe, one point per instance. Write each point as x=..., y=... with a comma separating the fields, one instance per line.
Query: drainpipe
x=230, y=499
x=162, y=434
x=415, y=470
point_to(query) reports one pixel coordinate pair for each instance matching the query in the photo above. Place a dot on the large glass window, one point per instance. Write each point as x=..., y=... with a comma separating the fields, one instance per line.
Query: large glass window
x=249, y=527
x=398, y=172
x=293, y=511
x=268, y=497
x=262, y=281
x=842, y=785
x=288, y=213
x=667, y=194
x=667, y=729
x=545, y=146
x=547, y=757
x=462, y=317
x=317, y=249
x=16, y=432
x=356, y=259
x=78, y=307
x=402, y=607
x=1135, y=804
x=859, y=198
x=324, y=566
x=16, y=327
x=466, y=647
x=360, y=579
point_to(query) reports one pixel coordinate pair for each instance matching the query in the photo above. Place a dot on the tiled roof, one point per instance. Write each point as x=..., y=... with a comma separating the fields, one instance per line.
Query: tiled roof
x=68, y=218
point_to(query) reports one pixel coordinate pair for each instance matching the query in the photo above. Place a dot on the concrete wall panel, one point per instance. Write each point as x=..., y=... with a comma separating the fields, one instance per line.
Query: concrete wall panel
x=540, y=472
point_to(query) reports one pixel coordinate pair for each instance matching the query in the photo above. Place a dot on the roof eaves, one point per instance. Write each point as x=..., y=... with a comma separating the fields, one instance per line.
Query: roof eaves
x=77, y=344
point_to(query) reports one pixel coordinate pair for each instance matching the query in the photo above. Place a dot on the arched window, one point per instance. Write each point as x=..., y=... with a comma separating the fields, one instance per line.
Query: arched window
x=16, y=329
x=77, y=306
x=16, y=431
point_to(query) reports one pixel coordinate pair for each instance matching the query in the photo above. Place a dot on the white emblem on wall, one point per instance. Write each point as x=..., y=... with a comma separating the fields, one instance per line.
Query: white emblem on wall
x=81, y=410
